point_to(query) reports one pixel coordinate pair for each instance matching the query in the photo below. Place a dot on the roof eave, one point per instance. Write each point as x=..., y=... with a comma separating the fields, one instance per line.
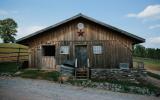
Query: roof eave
x=138, y=39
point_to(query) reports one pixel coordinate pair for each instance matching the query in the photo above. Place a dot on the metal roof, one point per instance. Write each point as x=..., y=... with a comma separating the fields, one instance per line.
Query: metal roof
x=138, y=39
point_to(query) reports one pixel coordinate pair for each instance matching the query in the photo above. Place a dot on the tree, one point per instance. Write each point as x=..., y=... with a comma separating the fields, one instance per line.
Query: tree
x=139, y=51
x=8, y=29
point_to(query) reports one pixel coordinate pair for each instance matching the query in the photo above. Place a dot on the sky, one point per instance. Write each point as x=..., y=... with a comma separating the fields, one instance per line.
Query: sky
x=139, y=17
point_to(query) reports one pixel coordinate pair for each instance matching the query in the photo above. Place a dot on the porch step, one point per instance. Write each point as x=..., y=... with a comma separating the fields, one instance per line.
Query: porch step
x=81, y=73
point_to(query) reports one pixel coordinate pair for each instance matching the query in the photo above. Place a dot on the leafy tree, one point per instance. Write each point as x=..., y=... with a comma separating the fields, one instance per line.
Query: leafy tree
x=8, y=30
x=139, y=51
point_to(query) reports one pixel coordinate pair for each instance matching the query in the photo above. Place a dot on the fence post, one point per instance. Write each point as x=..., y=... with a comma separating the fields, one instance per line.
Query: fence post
x=18, y=65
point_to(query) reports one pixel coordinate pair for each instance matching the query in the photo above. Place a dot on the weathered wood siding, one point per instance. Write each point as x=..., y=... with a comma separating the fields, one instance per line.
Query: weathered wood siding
x=116, y=47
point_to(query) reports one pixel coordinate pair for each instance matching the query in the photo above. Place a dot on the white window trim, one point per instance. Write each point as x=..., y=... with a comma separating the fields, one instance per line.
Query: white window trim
x=66, y=48
x=97, y=49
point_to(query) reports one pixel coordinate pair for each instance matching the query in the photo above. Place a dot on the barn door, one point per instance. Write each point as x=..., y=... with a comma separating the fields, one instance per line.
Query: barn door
x=48, y=57
x=81, y=55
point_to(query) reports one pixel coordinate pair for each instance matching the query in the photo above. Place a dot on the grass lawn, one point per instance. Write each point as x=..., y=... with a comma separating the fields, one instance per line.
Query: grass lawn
x=40, y=74
x=151, y=64
x=11, y=67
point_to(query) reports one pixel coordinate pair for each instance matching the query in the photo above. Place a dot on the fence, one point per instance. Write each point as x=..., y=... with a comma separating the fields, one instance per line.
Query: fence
x=13, y=53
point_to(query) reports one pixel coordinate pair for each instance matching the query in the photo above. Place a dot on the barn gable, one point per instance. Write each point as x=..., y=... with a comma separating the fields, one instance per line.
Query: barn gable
x=135, y=38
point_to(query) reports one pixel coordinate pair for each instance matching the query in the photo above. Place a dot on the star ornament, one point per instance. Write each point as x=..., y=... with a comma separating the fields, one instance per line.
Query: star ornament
x=80, y=33
x=80, y=27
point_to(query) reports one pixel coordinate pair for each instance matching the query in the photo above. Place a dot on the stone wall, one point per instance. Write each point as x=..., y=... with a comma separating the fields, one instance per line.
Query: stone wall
x=117, y=74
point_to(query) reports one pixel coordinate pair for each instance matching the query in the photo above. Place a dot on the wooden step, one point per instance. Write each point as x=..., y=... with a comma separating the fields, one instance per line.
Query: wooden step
x=81, y=74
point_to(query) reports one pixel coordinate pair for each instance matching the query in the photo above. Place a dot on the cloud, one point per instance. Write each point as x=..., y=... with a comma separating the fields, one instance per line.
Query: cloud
x=154, y=40
x=151, y=11
x=28, y=30
x=154, y=26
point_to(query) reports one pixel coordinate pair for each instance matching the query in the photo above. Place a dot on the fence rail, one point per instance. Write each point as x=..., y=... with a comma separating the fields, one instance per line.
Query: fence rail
x=13, y=54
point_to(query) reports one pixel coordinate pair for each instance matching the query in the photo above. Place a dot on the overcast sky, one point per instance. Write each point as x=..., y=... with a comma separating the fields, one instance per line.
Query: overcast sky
x=139, y=17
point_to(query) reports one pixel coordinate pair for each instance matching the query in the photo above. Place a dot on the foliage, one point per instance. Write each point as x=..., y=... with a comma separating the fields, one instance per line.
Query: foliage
x=118, y=85
x=8, y=67
x=7, y=30
x=141, y=51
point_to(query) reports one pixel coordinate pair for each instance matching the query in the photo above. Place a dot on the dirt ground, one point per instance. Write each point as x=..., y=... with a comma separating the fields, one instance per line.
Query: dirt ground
x=28, y=89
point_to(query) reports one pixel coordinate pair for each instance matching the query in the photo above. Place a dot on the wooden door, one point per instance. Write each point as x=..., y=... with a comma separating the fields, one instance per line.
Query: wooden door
x=48, y=62
x=81, y=55
x=48, y=57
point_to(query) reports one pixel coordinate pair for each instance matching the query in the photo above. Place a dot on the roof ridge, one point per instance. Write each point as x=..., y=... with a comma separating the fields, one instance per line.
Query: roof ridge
x=141, y=40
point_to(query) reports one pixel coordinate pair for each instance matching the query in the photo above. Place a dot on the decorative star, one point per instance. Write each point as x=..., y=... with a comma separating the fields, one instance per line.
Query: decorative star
x=80, y=33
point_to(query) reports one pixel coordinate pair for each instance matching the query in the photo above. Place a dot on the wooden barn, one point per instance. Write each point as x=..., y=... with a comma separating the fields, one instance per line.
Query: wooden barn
x=80, y=41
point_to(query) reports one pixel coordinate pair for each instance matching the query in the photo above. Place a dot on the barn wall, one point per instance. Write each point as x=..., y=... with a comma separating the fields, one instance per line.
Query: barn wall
x=116, y=48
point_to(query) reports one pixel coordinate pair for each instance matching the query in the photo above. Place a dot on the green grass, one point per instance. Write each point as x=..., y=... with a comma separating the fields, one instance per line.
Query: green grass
x=11, y=67
x=8, y=67
x=40, y=74
x=154, y=75
x=149, y=63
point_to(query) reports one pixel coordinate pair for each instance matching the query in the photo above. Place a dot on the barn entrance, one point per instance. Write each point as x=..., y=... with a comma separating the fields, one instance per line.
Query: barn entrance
x=81, y=55
x=48, y=56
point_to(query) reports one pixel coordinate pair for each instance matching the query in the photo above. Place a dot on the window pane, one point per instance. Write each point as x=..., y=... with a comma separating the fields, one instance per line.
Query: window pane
x=48, y=50
x=97, y=49
x=64, y=50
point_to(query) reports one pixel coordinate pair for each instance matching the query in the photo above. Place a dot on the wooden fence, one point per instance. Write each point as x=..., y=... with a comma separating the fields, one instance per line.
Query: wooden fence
x=9, y=53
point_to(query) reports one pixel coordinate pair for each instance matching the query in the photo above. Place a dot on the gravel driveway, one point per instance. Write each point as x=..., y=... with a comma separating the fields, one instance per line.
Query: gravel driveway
x=28, y=89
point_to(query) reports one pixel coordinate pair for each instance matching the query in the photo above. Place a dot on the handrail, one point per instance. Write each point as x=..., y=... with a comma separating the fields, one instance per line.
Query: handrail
x=76, y=63
x=88, y=64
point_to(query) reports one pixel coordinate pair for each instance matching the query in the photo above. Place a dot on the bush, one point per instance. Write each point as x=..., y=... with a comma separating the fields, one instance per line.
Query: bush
x=8, y=67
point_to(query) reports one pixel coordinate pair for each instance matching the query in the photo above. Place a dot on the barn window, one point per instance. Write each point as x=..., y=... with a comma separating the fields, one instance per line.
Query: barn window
x=64, y=50
x=48, y=50
x=97, y=49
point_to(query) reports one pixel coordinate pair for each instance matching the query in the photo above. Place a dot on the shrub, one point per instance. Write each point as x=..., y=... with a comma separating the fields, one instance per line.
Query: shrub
x=8, y=67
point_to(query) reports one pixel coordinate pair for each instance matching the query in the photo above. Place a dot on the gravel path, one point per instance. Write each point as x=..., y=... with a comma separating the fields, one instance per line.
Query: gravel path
x=28, y=89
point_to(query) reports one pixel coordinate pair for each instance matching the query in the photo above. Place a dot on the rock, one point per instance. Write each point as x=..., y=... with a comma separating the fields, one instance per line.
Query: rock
x=17, y=73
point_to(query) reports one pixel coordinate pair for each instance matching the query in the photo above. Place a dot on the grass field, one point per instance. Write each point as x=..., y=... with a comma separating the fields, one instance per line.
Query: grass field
x=150, y=64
